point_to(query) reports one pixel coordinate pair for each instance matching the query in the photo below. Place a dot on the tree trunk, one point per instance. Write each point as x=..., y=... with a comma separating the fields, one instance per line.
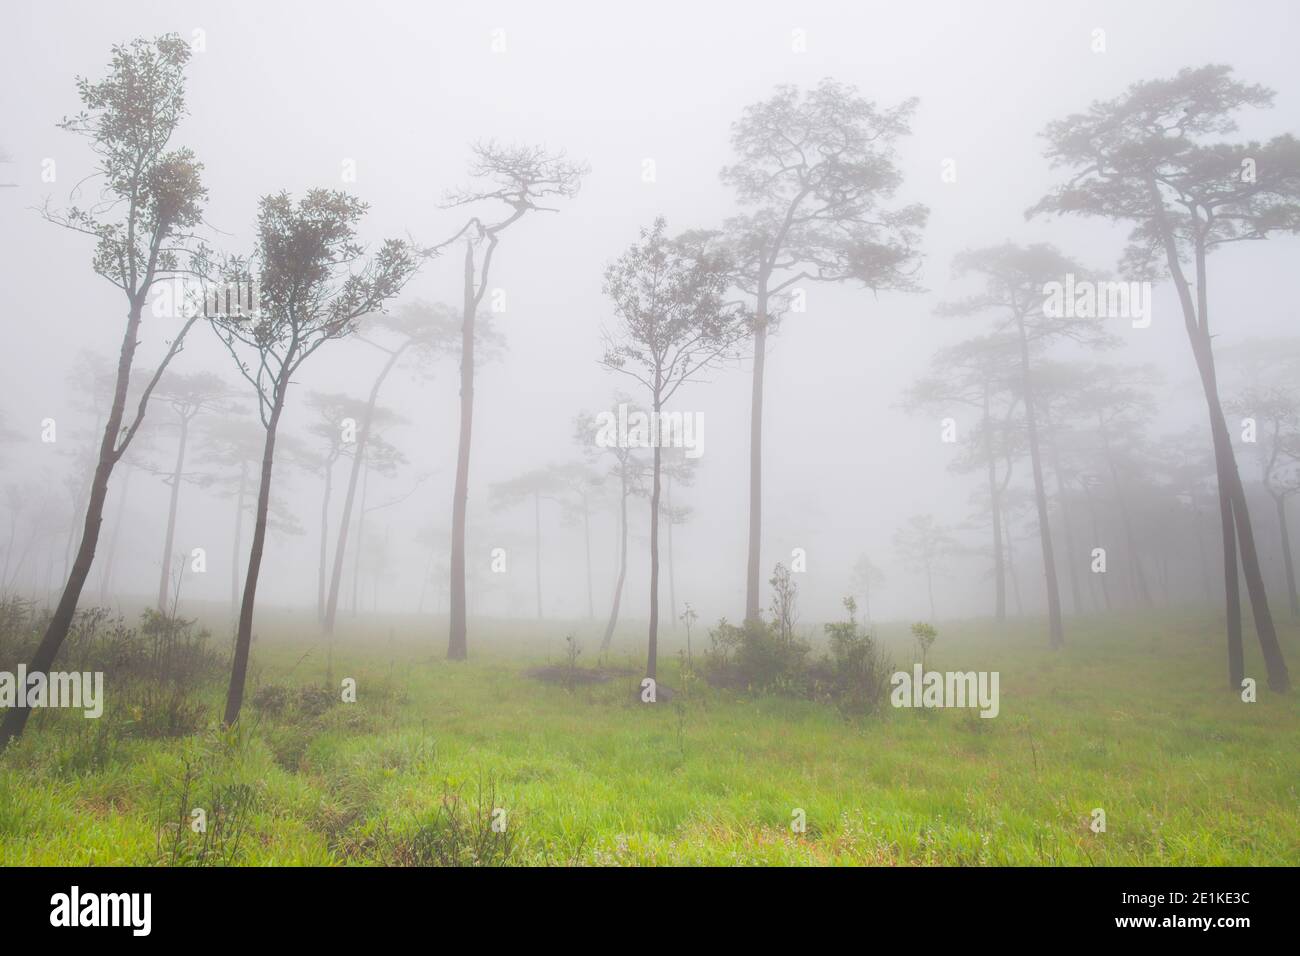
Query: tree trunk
x=753, y=570
x=1134, y=559
x=345, y=522
x=622, y=568
x=1057, y=631
x=457, y=642
x=244, y=636
x=169, y=538
x=652, y=654
x=361, y=539
x=15, y=718
x=239, y=537
x=1067, y=528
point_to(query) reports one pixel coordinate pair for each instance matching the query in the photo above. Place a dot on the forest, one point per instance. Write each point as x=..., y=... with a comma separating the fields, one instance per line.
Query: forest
x=432, y=440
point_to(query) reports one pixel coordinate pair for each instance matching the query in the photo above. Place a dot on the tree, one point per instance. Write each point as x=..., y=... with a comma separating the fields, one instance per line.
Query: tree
x=1276, y=415
x=814, y=167
x=1015, y=279
x=151, y=198
x=672, y=327
x=417, y=329
x=980, y=373
x=630, y=471
x=517, y=177
x=530, y=486
x=924, y=545
x=187, y=395
x=868, y=577
x=314, y=283
x=582, y=487
x=1146, y=158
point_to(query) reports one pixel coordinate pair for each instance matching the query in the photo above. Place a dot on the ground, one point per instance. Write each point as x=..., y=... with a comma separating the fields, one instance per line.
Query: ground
x=1132, y=717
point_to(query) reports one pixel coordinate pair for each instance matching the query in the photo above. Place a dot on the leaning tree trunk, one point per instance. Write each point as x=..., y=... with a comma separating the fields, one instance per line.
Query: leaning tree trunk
x=622, y=569
x=106, y=582
x=169, y=539
x=345, y=522
x=239, y=537
x=15, y=718
x=457, y=642
x=244, y=636
x=753, y=570
x=1235, y=516
x=1057, y=631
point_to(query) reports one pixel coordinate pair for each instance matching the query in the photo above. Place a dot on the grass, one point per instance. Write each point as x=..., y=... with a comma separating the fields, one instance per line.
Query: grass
x=1131, y=717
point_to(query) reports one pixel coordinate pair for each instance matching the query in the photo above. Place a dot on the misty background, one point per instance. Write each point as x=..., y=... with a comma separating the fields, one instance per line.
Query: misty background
x=282, y=97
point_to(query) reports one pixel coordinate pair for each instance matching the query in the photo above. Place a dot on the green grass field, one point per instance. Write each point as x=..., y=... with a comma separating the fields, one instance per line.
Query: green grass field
x=1131, y=717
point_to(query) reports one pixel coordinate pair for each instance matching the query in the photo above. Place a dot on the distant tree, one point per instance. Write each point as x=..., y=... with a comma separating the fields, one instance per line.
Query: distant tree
x=516, y=177
x=315, y=283
x=1014, y=280
x=814, y=169
x=629, y=469
x=672, y=327
x=187, y=395
x=531, y=486
x=582, y=486
x=417, y=330
x=982, y=373
x=868, y=577
x=1276, y=412
x=1148, y=158
x=924, y=546
x=151, y=198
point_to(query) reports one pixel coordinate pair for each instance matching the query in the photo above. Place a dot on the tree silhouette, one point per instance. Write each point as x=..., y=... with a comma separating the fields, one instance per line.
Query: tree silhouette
x=1147, y=158
x=314, y=284
x=813, y=167
x=151, y=198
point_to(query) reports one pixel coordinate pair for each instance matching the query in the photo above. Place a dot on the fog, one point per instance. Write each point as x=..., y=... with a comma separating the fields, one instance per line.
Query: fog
x=383, y=101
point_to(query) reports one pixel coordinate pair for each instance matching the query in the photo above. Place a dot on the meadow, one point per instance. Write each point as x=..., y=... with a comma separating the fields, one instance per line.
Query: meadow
x=1130, y=717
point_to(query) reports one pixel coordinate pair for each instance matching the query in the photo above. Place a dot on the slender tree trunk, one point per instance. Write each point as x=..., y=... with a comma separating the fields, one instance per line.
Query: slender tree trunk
x=1234, y=515
x=345, y=522
x=753, y=570
x=1067, y=528
x=622, y=568
x=1287, y=563
x=15, y=718
x=1057, y=634
x=239, y=538
x=457, y=642
x=1014, y=576
x=244, y=636
x=169, y=538
x=652, y=654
